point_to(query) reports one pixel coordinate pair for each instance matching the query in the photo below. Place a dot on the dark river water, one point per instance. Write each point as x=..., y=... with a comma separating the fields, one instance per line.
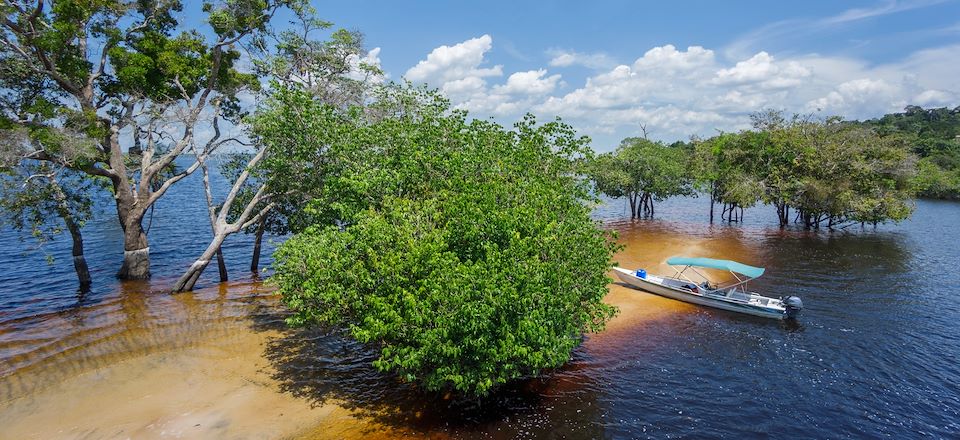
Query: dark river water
x=179, y=231
x=875, y=353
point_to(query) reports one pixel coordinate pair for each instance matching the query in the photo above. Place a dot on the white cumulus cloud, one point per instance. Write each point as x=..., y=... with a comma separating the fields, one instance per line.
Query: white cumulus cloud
x=676, y=93
x=668, y=59
x=448, y=63
x=459, y=71
x=764, y=71
x=533, y=82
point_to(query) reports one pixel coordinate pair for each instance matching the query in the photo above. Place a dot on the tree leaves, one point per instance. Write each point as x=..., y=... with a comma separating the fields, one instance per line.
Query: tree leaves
x=828, y=171
x=467, y=253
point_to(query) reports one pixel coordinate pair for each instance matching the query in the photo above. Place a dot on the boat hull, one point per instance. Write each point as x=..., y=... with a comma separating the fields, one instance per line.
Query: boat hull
x=649, y=285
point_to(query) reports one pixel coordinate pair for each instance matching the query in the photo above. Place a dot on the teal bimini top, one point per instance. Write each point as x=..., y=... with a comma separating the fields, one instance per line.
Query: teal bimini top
x=733, y=266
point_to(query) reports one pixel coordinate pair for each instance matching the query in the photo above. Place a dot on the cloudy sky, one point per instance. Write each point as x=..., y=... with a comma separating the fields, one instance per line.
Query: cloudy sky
x=679, y=68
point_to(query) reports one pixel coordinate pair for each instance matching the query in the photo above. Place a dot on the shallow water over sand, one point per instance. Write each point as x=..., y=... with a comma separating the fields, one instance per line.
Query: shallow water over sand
x=873, y=355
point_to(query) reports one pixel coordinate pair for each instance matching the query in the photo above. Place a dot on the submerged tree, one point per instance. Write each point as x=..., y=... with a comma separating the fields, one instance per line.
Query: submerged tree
x=643, y=171
x=221, y=225
x=127, y=75
x=329, y=73
x=725, y=168
x=853, y=175
x=826, y=172
x=464, y=252
x=46, y=200
x=39, y=196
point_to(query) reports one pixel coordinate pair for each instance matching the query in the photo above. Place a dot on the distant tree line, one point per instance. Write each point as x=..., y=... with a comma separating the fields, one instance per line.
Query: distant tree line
x=934, y=137
x=814, y=172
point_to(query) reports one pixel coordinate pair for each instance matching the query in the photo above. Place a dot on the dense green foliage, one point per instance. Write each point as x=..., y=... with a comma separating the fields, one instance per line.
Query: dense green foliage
x=643, y=171
x=829, y=173
x=726, y=168
x=32, y=194
x=826, y=172
x=934, y=135
x=463, y=251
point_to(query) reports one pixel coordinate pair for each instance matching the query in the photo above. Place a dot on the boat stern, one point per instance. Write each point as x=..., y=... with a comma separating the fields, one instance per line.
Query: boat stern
x=792, y=306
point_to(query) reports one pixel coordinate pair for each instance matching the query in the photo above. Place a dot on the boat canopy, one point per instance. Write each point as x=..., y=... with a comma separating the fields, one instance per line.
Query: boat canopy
x=733, y=266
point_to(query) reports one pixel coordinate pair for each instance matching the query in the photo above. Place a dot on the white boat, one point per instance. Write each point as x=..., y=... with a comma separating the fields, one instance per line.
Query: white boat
x=733, y=297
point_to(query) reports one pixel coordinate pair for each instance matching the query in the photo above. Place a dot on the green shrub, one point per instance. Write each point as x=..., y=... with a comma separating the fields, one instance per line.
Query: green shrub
x=488, y=271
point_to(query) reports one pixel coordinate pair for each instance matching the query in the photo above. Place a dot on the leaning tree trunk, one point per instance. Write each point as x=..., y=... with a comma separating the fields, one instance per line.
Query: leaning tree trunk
x=79, y=261
x=190, y=277
x=218, y=219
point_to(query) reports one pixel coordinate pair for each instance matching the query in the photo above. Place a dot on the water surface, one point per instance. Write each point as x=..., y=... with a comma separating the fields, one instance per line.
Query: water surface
x=874, y=354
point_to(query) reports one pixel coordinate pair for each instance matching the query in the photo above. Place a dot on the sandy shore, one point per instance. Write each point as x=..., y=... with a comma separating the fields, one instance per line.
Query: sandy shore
x=221, y=385
x=220, y=388
x=221, y=379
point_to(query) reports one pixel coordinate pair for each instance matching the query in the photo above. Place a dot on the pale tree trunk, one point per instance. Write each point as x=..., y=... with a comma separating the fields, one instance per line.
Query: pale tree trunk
x=218, y=221
x=136, y=250
x=136, y=253
x=190, y=277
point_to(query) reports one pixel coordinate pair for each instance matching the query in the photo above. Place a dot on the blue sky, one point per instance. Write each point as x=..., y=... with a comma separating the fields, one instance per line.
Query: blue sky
x=678, y=67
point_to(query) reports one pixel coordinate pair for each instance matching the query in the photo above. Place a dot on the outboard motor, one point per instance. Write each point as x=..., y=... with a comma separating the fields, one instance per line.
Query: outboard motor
x=793, y=306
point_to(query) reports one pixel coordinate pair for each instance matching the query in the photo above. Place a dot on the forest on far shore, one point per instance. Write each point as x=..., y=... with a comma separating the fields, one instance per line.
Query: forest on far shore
x=935, y=138
x=815, y=171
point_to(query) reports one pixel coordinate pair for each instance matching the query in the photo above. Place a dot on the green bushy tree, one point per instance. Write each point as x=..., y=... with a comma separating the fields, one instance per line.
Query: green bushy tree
x=643, y=171
x=463, y=251
x=827, y=171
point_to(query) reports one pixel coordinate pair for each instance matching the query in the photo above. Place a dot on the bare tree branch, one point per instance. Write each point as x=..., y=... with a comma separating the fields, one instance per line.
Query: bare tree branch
x=239, y=184
x=256, y=218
